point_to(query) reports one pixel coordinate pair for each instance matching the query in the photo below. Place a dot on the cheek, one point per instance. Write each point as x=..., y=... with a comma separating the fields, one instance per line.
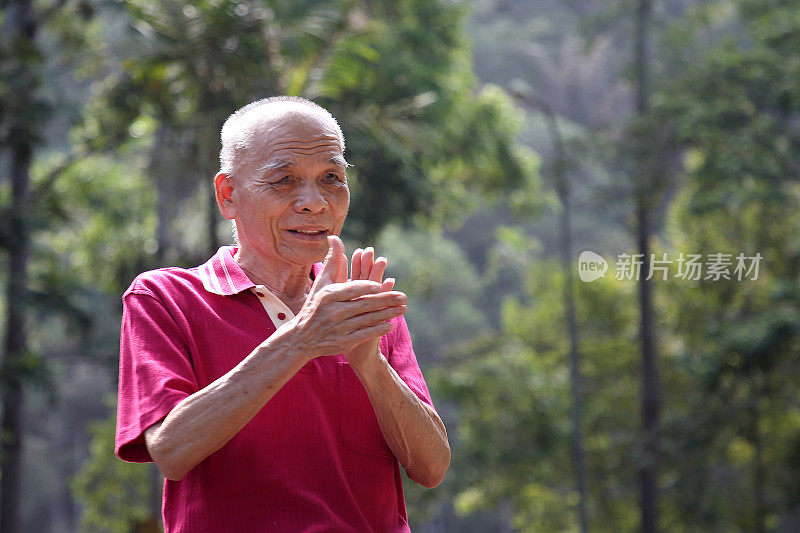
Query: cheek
x=341, y=209
x=338, y=199
x=343, y=199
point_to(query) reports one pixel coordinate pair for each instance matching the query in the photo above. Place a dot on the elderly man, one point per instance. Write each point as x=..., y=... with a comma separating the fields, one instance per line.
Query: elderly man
x=273, y=392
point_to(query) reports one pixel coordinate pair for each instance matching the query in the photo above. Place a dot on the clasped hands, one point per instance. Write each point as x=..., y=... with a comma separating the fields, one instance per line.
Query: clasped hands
x=348, y=316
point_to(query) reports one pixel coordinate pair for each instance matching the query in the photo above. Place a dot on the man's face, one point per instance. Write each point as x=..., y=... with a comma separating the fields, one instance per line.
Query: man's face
x=292, y=193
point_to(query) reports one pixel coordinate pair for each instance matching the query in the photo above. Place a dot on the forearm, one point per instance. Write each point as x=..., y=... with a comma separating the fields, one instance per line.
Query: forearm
x=205, y=421
x=412, y=429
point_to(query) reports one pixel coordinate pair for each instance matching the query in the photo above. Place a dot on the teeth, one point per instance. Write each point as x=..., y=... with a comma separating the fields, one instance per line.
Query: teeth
x=309, y=232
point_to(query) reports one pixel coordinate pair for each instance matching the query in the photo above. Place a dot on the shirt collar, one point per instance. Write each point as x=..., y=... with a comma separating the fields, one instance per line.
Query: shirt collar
x=222, y=274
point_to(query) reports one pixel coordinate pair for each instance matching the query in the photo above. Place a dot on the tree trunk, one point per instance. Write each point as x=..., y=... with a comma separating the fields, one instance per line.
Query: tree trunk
x=565, y=245
x=759, y=475
x=650, y=396
x=209, y=155
x=159, y=176
x=650, y=386
x=561, y=184
x=22, y=31
x=157, y=485
x=208, y=146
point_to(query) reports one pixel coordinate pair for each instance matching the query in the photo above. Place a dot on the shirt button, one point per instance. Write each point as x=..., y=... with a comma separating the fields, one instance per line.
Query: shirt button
x=260, y=294
x=281, y=316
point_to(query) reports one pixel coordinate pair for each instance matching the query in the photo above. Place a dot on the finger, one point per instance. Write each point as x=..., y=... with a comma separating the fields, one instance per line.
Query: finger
x=367, y=258
x=355, y=264
x=378, y=268
x=388, y=284
x=378, y=330
x=335, y=268
x=371, y=319
x=342, y=292
x=338, y=312
x=370, y=302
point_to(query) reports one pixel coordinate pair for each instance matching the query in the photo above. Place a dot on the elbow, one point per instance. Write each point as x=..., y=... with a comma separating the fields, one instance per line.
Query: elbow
x=170, y=466
x=433, y=475
x=171, y=471
x=429, y=480
x=432, y=481
x=436, y=477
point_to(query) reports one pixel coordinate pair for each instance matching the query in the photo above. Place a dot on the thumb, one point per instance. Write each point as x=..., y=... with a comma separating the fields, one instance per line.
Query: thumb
x=334, y=270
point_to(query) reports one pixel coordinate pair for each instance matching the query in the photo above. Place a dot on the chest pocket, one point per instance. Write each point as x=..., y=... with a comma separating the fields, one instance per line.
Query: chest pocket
x=358, y=425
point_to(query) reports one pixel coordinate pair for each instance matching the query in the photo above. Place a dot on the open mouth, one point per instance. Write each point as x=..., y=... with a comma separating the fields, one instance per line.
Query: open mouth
x=309, y=232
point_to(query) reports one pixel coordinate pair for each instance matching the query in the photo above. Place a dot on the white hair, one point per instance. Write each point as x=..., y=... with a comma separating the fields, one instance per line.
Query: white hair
x=241, y=130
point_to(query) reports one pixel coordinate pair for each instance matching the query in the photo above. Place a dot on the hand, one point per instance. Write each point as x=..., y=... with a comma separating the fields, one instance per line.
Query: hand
x=338, y=314
x=364, y=266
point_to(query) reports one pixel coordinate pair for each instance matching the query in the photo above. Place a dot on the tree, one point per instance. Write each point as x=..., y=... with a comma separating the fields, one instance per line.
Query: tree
x=645, y=202
x=733, y=109
x=20, y=114
x=395, y=74
x=561, y=183
x=85, y=255
x=116, y=494
x=512, y=387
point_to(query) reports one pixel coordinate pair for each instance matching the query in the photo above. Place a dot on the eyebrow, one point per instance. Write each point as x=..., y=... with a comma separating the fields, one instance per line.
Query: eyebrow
x=336, y=160
x=340, y=161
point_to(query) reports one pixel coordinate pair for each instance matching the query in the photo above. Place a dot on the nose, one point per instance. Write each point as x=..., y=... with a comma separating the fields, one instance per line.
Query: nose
x=310, y=198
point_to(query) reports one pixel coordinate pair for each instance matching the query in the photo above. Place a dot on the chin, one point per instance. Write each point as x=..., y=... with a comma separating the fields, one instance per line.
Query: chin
x=309, y=256
x=319, y=257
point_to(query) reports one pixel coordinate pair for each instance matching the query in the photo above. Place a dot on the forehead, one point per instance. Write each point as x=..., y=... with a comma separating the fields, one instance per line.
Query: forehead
x=294, y=135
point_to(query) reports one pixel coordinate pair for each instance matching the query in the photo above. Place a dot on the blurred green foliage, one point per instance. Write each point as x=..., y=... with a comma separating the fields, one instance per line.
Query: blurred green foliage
x=512, y=387
x=126, y=123
x=115, y=493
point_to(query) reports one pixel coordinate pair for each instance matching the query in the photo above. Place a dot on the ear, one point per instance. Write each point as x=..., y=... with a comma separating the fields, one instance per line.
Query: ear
x=223, y=188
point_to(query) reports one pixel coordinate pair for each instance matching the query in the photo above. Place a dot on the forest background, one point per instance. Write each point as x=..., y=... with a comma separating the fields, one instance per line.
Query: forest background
x=493, y=141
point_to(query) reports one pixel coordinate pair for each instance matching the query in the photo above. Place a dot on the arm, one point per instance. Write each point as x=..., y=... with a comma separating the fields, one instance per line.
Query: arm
x=336, y=317
x=203, y=422
x=412, y=429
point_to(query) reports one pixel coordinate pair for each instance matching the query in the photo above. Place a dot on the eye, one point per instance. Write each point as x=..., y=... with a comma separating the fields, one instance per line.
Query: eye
x=283, y=181
x=330, y=177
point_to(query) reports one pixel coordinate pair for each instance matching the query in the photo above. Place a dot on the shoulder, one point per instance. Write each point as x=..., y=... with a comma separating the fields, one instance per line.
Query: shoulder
x=165, y=282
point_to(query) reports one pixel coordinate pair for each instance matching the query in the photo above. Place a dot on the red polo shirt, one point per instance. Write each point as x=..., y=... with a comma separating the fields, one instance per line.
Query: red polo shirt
x=313, y=458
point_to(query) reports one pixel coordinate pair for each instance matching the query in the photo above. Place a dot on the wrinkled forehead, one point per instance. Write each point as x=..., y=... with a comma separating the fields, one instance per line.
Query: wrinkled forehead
x=286, y=122
x=279, y=135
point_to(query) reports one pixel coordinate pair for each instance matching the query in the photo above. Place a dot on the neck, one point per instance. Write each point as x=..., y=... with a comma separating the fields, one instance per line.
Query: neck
x=291, y=283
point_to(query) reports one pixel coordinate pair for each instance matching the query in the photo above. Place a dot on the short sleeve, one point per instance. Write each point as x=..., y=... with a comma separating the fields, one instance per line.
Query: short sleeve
x=155, y=371
x=397, y=348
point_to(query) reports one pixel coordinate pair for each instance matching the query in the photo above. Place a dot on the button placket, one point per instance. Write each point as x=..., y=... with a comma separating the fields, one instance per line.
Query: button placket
x=276, y=309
